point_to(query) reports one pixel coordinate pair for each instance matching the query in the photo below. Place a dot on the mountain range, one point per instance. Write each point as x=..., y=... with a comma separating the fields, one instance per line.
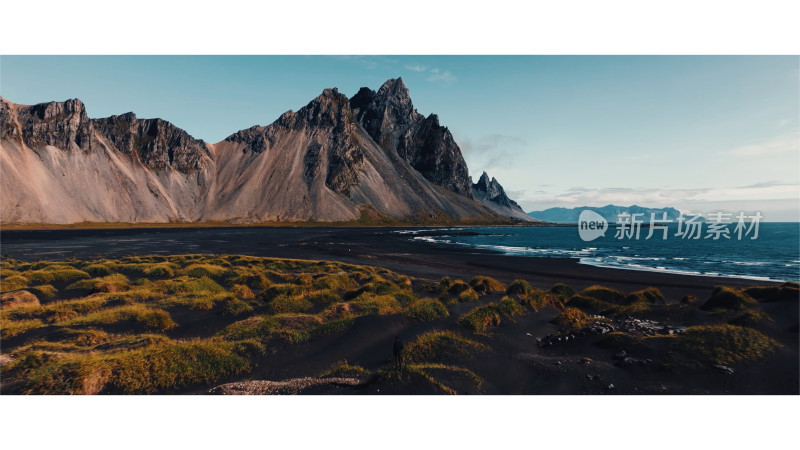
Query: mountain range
x=609, y=212
x=370, y=157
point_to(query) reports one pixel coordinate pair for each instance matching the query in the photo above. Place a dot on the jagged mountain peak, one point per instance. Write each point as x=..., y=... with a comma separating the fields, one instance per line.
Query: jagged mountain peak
x=491, y=193
x=329, y=109
x=53, y=110
x=394, y=88
x=332, y=160
x=392, y=122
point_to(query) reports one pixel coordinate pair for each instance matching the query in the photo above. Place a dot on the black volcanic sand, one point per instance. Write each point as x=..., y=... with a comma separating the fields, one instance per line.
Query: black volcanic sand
x=372, y=246
x=515, y=365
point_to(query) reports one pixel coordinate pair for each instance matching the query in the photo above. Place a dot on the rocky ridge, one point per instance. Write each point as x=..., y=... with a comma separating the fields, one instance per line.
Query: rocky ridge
x=335, y=159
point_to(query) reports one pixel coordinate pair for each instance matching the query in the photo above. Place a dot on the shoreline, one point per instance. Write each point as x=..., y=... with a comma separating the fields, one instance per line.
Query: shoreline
x=376, y=246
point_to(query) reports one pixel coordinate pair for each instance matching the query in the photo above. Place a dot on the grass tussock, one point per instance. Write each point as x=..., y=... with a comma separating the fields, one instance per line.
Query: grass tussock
x=519, y=288
x=44, y=291
x=151, y=318
x=204, y=270
x=571, y=318
x=468, y=296
x=723, y=344
x=607, y=301
x=110, y=283
x=56, y=273
x=336, y=282
x=785, y=292
x=13, y=283
x=728, y=298
x=539, y=298
x=563, y=291
x=345, y=370
x=486, y=285
x=57, y=311
x=11, y=328
x=438, y=346
x=431, y=373
x=381, y=305
x=426, y=310
x=605, y=294
x=242, y=291
x=481, y=318
x=143, y=371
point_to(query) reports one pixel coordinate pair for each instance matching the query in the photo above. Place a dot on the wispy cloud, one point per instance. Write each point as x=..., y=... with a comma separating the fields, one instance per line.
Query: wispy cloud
x=416, y=68
x=490, y=151
x=787, y=143
x=581, y=196
x=441, y=76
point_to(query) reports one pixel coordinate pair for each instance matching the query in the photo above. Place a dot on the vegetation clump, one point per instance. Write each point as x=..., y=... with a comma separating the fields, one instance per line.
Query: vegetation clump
x=724, y=344
x=724, y=297
x=519, y=288
x=481, y=318
x=486, y=285
x=426, y=310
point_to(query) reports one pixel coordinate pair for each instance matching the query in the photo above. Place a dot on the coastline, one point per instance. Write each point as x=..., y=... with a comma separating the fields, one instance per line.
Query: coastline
x=376, y=246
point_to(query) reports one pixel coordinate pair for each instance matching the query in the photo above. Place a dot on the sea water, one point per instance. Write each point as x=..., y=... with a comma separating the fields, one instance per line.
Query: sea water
x=774, y=255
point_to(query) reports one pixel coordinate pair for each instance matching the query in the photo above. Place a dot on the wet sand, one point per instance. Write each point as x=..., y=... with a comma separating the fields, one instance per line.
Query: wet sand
x=374, y=246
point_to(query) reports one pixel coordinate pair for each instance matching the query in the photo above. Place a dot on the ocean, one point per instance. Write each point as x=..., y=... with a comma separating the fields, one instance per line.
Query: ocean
x=773, y=256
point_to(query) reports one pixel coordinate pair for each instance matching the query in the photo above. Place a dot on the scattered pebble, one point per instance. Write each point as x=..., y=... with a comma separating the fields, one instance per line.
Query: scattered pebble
x=723, y=369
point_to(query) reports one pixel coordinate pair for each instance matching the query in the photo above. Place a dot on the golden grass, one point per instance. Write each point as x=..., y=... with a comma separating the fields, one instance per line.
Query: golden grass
x=723, y=344
x=142, y=371
x=344, y=369
x=426, y=310
x=486, y=285
x=437, y=346
x=152, y=318
x=481, y=318
x=11, y=328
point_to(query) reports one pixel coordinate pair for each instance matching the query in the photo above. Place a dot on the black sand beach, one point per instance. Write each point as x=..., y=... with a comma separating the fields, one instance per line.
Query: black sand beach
x=517, y=364
x=373, y=246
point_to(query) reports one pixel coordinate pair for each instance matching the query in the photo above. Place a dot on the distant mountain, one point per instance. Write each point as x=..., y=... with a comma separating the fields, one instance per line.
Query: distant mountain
x=609, y=212
x=493, y=196
x=335, y=159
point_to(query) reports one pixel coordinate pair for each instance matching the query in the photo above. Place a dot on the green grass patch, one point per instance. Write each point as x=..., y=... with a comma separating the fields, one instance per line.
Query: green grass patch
x=481, y=318
x=486, y=285
x=109, y=283
x=605, y=294
x=143, y=371
x=13, y=283
x=335, y=282
x=468, y=296
x=724, y=297
x=242, y=291
x=426, y=310
x=723, y=344
x=253, y=327
x=376, y=304
x=438, y=346
x=784, y=292
x=11, y=328
x=563, y=291
x=519, y=288
x=151, y=318
x=344, y=369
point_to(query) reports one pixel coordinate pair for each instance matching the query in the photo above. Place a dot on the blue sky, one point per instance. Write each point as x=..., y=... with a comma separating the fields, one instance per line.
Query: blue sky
x=699, y=133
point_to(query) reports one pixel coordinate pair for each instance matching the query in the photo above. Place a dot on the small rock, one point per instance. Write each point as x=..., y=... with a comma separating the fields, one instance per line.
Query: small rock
x=18, y=298
x=723, y=369
x=611, y=386
x=621, y=355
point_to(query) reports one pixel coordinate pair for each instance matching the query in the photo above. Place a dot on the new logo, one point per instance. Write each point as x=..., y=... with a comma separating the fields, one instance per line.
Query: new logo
x=591, y=225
